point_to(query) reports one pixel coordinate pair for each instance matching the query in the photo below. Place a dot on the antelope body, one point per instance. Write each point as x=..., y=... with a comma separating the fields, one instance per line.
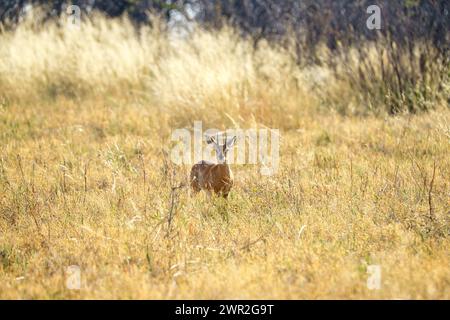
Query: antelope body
x=214, y=177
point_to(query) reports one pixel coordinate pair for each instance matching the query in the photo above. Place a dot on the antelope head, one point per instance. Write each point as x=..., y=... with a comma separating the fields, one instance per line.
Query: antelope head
x=221, y=146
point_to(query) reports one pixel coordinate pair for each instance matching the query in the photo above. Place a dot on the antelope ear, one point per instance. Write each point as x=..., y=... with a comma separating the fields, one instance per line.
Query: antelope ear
x=231, y=141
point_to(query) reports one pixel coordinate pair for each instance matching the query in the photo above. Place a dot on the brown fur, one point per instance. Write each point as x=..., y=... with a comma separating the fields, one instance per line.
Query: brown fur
x=212, y=177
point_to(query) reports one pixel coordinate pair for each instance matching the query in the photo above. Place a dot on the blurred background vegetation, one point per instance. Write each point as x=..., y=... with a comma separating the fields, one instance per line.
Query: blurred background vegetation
x=404, y=66
x=311, y=21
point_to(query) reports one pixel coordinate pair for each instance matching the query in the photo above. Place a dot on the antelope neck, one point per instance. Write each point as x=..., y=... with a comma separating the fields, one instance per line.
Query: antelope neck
x=227, y=168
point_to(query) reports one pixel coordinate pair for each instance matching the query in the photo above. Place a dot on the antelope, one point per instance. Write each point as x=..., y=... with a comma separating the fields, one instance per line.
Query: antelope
x=217, y=177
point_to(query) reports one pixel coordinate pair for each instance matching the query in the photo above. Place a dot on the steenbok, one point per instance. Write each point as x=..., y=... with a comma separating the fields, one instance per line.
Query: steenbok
x=215, y=177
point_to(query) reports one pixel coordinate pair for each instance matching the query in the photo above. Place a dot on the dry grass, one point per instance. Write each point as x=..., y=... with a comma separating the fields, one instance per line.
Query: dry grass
x=85, y=123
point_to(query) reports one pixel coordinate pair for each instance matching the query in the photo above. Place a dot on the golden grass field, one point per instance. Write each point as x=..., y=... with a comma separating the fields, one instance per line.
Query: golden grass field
x=86, y=178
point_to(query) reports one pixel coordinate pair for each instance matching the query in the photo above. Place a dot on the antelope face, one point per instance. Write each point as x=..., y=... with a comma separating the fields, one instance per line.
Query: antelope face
x=220, y=147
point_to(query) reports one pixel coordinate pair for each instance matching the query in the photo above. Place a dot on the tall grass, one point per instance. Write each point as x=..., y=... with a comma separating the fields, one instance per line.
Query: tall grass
x=395, y=78
x=213, y=72
x=50, y=60
x=85, y=178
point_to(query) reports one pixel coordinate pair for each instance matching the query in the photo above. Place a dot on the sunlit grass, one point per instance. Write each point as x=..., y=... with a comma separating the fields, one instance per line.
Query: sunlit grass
x=85, y=176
